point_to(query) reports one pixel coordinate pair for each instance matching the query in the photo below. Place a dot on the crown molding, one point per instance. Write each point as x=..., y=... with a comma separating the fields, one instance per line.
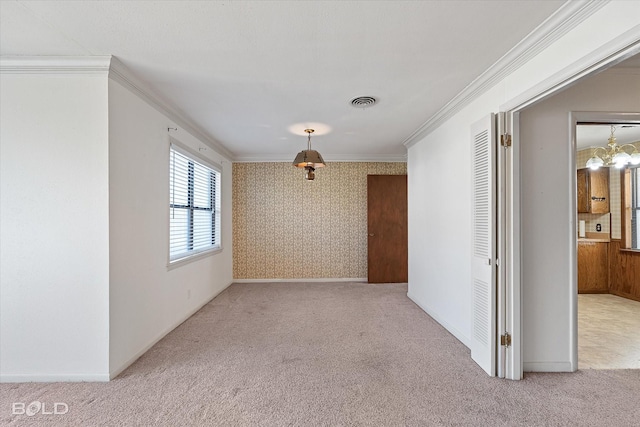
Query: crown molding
x=54, y=64
x=286, y=158
x=121, y=74
x=617, y=50
x=110, y=66
x=567, y=17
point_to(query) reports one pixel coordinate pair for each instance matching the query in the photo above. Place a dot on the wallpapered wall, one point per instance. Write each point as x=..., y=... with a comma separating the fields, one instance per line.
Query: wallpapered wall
x=614, y=199
x=285, y=227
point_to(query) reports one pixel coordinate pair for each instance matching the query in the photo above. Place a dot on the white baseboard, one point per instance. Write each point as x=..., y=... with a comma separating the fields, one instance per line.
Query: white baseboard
x=56, y=378
x=22, y=378
x=455, y=332
x=153, y=342
x=547, y=367
x=357, y=279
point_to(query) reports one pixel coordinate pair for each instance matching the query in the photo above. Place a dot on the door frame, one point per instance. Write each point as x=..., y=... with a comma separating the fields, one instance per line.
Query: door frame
x=576, y=117
x=602, y=58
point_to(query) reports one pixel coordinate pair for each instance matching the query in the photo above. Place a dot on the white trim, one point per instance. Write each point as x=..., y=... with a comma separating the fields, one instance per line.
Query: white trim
x=189, y=152
x=54, y=64
x=573, y=245
x=329, y=279
x=547, y=367
x=56, y=378
x=604, y=117
x=451, y=329
x=617, y=50
x=513, y=259
x=121, y=74
x=192, y=257
x=502, y=221
x=568, y=16
x=114, y=373
x=288, y=158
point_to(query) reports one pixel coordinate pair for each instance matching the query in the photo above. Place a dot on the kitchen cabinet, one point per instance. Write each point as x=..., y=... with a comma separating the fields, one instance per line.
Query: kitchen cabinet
x=593, y=191
x=593, y=267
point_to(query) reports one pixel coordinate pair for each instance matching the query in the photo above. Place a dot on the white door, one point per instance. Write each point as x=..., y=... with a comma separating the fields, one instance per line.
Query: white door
x=483, y=266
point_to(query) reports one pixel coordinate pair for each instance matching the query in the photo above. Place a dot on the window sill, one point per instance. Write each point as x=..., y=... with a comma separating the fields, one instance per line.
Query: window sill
x=192, y=258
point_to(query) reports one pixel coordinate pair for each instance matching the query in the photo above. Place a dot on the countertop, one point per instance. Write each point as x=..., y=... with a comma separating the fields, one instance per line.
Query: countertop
x=595, y=238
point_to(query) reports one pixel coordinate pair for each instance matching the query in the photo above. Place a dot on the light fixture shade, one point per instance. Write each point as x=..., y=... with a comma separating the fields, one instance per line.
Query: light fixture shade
x=635, y=159
x=621, y=158
x=595, y=163
x=308, y=158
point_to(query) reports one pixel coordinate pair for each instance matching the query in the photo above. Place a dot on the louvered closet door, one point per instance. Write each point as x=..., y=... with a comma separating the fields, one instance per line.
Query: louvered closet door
x=483, y=280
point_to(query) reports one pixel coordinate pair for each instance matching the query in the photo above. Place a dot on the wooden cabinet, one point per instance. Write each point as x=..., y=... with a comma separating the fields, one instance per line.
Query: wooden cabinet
x=593, y=190
x=593, y=267
x=624, y=271
x=583, y=190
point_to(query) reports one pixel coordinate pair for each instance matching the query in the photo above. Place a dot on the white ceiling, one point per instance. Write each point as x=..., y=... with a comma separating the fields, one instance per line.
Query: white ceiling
x=254, y=74
x=598, y=135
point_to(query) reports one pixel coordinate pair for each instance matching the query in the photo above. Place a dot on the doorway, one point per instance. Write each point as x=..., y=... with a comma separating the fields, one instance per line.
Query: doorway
x=544, y=237
x=608, y=307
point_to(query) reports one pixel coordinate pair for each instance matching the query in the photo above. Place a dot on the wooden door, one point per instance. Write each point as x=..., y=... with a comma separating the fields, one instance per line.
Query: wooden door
x=387, y=256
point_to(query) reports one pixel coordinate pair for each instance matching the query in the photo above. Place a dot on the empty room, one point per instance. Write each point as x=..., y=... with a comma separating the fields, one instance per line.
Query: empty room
x=318, y=212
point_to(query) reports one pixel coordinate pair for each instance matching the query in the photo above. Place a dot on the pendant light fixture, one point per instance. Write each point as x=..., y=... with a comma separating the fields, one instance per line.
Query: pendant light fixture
x=614, y=154
x=309, y=159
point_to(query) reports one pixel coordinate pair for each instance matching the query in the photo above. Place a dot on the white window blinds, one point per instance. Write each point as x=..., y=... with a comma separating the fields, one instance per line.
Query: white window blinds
x=194, y=205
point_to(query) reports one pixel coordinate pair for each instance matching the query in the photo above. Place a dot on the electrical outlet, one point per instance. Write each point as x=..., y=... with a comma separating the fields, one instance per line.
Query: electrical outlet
x=598, y=227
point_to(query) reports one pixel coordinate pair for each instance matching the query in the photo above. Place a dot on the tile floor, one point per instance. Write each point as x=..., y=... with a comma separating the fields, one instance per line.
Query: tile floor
x=608, y=332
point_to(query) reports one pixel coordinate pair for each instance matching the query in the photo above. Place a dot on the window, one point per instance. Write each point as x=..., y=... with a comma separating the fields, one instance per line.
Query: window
x=631, y=208
x=194, y=205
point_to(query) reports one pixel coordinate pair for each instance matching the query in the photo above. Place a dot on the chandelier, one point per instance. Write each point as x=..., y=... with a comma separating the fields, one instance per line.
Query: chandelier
x=309, y=159
x=614, y=154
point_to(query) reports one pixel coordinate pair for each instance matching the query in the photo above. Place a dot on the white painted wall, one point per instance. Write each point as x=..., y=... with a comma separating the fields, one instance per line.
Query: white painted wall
x=439, y=198
x=146, y=300
x=54, y=223
x=548, y=219
x=439, y=168
x=84, y=219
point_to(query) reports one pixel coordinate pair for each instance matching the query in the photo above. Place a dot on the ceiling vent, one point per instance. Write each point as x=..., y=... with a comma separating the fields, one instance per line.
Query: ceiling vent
x=363, y=101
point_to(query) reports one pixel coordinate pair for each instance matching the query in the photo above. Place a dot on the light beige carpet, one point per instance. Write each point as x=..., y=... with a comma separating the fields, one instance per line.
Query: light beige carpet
x=325, y=354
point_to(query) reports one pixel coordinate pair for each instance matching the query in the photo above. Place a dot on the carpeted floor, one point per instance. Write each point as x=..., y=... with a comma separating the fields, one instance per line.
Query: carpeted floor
x=325, y=354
